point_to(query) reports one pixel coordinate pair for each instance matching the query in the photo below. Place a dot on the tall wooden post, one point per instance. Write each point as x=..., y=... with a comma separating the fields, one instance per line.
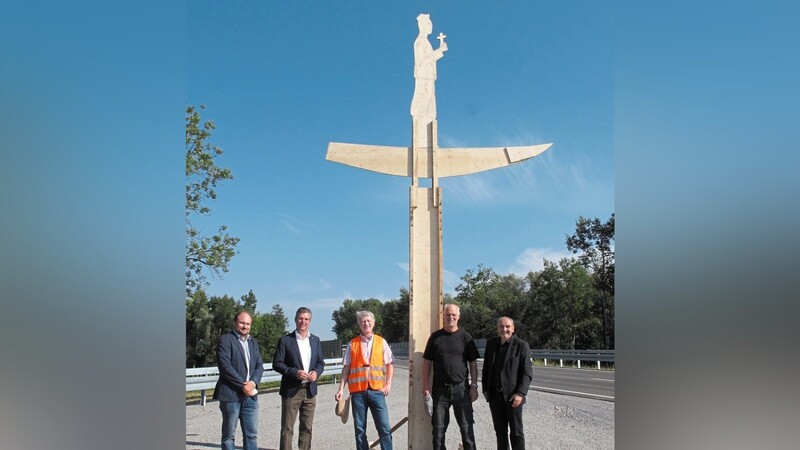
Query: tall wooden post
x=424, y=159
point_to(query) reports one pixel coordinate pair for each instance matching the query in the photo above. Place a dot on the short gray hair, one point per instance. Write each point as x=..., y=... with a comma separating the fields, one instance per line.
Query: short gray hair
x=361, y=314
x=458, y=308
x=301, y=310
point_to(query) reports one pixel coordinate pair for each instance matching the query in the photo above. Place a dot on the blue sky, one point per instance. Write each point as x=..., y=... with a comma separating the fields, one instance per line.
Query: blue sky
x=282, y=79
x=705, y=178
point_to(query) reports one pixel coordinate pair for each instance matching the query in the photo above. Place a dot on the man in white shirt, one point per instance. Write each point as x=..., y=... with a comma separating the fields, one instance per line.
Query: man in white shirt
x=298, y=357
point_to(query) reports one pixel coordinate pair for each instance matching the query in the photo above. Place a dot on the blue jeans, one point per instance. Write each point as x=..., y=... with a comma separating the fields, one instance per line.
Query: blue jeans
x=458, y=396
x=376, y=401
x=246, y=412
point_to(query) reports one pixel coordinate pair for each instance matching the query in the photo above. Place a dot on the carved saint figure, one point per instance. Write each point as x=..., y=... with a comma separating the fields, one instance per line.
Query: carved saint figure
x=423, y=105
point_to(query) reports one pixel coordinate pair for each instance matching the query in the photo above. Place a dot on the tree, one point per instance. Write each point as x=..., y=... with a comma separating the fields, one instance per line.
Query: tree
x=473, y=299
x=268, y=328
x=595, y=241
x=249, y=303
x=559, y=307
x=223, y=310
x=206, y=320
x=212, y=253
x=209, y=318
x=200, y=339
x=484, y=296
x=395, y=318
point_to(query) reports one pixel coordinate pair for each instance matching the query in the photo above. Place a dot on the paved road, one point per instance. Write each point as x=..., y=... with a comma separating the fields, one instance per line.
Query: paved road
x=552, y=421
x=588, y=383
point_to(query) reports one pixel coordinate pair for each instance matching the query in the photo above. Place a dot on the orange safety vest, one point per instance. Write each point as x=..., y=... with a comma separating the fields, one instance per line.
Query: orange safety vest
x=365, y=376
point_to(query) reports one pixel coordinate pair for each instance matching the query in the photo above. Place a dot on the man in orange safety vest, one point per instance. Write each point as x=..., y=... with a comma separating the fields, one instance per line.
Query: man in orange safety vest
x=368, y=374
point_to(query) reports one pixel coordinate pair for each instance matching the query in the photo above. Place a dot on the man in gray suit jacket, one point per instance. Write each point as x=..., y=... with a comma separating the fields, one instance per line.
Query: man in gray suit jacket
x=507, y=375
x=298, y=357
x=240, y=370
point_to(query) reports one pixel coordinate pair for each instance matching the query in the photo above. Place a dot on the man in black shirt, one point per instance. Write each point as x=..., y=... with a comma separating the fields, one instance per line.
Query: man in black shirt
x=448, y=351
x=507, y=375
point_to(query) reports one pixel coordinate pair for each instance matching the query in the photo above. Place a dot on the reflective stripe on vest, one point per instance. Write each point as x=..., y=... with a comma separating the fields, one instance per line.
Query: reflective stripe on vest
x=365, y=376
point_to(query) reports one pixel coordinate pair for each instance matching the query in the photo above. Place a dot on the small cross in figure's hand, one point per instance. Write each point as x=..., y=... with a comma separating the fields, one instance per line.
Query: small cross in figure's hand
x=441, y=37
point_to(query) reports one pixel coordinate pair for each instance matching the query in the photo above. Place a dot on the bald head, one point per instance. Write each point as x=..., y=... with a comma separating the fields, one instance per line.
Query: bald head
x=452, y=313
x=505, y=328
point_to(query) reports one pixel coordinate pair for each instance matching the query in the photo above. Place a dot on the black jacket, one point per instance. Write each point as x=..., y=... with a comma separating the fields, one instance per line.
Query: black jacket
x=517, y=371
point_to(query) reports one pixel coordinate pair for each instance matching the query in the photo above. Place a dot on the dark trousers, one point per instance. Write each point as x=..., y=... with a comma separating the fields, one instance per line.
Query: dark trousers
x=457, y=396
x=503, y=417
x=304, y=404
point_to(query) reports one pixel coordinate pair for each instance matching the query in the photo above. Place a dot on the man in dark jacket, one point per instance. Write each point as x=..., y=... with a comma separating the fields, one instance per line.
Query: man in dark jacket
x=298, y=357
x=507, y=375
x=240, y=370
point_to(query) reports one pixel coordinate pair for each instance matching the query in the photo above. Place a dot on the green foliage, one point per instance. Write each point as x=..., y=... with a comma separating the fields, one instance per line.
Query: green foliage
x=474, y=297
x=249, y=302
x=268, y=328
x=569, y=304
x=484, y=296
x=559, y=307
x=212, y=253
x=391, y=317
x=200, y=338
x=223, y=309
x=207, y=318
x=595, y=242
x=394, y=326
x=553, y=308
x=202, y=173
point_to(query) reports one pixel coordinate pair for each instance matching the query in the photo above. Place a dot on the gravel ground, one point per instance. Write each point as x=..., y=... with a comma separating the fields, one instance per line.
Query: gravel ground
x=551, y=422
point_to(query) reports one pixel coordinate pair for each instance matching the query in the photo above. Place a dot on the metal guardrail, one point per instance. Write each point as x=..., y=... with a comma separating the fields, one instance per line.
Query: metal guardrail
x=400, y=350
x=574, y=355
x=205, y=378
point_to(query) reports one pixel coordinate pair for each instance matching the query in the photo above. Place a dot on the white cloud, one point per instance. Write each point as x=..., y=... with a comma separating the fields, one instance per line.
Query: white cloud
x=294, y=225
x=319, y=285
x=474, y=188
x=290, y=227
x=540, y=179
x=532, y=260
x=503, y=184
x=329, y=303
x=560, y=178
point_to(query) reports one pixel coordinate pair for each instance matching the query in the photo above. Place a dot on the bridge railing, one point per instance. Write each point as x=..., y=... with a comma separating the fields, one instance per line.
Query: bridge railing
x=205, y=378
x=598, y=356
x=400, y=350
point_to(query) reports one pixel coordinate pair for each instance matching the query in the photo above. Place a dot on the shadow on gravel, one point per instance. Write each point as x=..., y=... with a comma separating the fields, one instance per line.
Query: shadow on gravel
x=203, y=444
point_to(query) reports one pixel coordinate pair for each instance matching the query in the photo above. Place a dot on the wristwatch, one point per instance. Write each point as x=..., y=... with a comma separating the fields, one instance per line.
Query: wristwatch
x=473, y=385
